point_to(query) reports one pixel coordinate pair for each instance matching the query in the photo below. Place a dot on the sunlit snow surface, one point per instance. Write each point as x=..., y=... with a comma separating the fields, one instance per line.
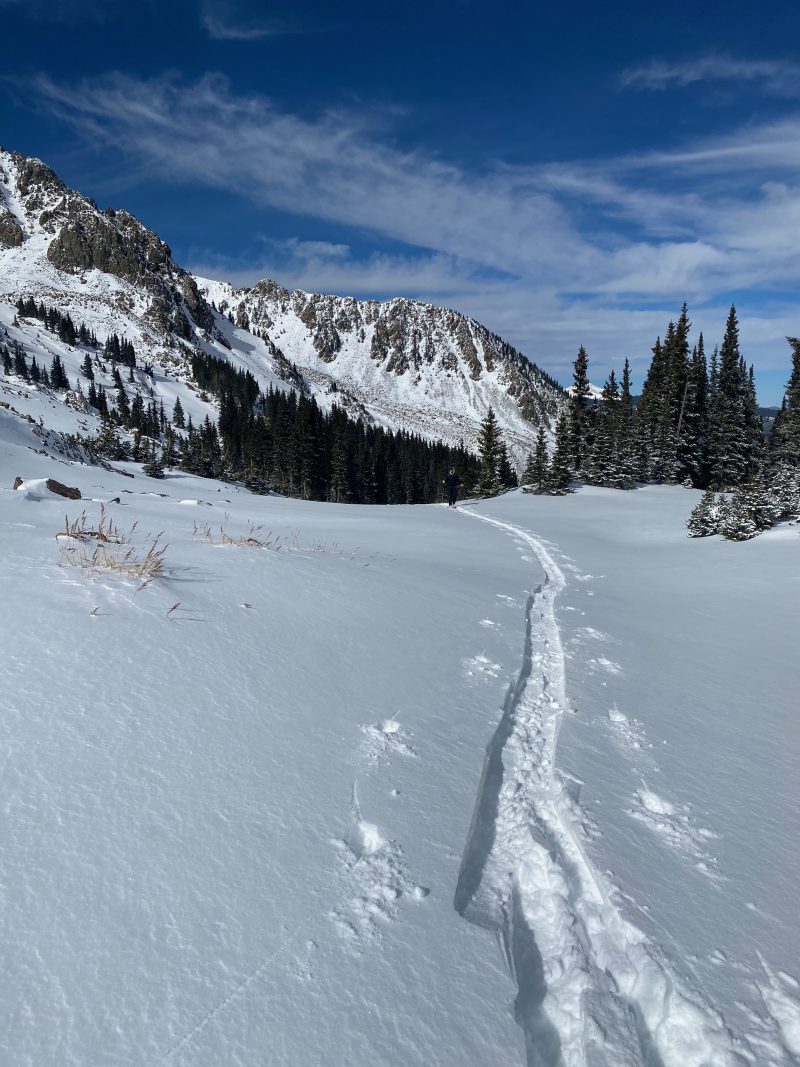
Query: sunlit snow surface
x=510, y=784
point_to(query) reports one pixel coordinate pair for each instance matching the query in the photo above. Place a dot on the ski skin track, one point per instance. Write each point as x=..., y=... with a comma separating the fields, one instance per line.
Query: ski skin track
x=592, y=990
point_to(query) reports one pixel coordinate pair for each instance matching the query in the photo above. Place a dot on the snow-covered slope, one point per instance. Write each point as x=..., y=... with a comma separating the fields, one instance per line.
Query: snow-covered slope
x=424, y=368
x=409, y=786
x=106, y=270
x=402, y=364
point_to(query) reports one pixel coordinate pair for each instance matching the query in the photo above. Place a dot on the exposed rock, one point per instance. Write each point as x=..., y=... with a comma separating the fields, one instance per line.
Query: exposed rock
x=326, y=341
x=17, y=482
x=63, y=490
x=11, y=235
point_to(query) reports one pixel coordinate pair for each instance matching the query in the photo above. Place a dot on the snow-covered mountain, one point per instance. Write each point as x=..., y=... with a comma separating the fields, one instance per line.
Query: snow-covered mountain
x=407, y=363
x=402, y=364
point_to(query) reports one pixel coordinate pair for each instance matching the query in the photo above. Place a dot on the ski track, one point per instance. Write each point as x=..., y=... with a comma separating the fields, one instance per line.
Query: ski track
x=593, y=991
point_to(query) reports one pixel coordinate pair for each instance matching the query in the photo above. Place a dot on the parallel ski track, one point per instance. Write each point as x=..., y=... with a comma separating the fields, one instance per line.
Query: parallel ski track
x=593, y=991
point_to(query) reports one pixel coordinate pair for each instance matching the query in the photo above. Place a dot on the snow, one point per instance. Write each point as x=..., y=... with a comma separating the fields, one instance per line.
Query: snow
x=443, y=395
x=514, y=783
x=438, y=397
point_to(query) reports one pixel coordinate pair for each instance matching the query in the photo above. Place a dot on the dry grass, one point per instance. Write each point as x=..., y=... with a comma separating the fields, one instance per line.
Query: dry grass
x=255, y=537
x=105, y=548
x=105, y=532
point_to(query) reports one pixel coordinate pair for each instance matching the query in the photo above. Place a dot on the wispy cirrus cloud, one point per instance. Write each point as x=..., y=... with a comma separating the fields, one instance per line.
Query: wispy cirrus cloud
x=599, y=252
x=779, y=77
x=226, y=20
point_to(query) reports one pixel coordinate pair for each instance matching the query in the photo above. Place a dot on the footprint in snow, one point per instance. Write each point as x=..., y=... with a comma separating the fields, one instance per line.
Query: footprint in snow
x=628, y=732
x=375, y=881
x=481, y=668
x=676, y=827
x=602, y=663
x=594, y=635
x=385, y=739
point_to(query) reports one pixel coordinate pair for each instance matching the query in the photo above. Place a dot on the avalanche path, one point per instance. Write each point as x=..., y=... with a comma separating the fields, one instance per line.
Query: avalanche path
x=593, y=991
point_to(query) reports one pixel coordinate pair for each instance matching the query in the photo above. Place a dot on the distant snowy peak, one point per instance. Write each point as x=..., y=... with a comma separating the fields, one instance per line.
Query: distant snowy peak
x=52, y=237
x=424, y=368
x=402, y=364
x=595, y=391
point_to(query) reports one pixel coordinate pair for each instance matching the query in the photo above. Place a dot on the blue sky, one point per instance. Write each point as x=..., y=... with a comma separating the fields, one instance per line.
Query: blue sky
x=567, y=175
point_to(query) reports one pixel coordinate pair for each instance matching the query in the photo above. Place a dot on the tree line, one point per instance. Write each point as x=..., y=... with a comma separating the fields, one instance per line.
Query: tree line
x=696, y=423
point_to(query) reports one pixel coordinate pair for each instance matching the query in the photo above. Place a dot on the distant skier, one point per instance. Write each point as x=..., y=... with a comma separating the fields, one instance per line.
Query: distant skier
x=451, y=484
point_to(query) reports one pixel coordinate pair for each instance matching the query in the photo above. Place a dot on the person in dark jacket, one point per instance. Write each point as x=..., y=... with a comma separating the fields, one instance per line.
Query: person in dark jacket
x=451, y=484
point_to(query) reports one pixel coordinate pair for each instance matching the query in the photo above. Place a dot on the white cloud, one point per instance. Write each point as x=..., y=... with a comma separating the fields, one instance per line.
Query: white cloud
x=226, y=20
x=775, y=76
x=550, y=256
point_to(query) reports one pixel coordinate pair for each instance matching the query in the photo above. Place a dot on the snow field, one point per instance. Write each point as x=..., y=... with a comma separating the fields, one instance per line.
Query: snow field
x=240, y=802
x=687, y=752
x=228, y=829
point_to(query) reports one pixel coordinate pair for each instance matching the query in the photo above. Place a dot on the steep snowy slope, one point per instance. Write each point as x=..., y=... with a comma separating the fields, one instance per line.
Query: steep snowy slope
x=425, y=368
x=402, y=364
x=105, y=269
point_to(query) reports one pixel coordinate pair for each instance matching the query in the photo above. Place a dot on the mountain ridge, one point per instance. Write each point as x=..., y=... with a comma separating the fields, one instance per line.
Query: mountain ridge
x=401, y=363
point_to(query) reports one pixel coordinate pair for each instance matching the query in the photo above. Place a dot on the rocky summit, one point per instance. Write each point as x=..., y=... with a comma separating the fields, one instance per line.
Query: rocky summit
x=401, y=364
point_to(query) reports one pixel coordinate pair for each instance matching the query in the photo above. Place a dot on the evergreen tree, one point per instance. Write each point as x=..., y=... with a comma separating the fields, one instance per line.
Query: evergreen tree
x=730, y=451
x=541, y=462
x=561, y=470
x=7, y=364
x=581, y=413
x=153, y=468
x=20, y=363
x=86, y=367
x=736, y=521
x=529, y=474
x=626, y=432
x=58, y=376
x=178, y=418
x=107, y=444
x=123, y=407
x=784, y=442
x=603, y=466
x=537, y=468
x=705, y=517
x=693, y=428
x=490, y=450
x=506, y=473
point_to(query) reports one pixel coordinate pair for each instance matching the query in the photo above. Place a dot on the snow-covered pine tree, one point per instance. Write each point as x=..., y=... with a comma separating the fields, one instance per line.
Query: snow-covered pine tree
x=784, y=442
x=784, y=481
x=730, y=445
x=704, y=519
x=764, y=505
x=736, y=521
